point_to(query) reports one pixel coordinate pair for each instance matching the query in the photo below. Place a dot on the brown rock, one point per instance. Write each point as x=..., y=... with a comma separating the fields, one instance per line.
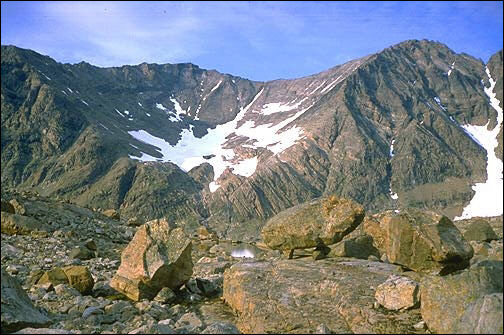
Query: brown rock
x=158, y=256
x=112, y=213
x=312, y=224
x=79, y=278
x=54, y=276
x=421, y=241
x=294, y=296
x=398, y=293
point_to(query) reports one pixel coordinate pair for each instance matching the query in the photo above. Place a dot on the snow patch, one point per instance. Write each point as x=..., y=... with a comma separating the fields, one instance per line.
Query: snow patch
x=246, y=167
x=393, y=195
x=178, y=108
x=147, y=114
x=278, y=107
x=65, y=93
x=119, y=113
x=69, y=89
x=438, y=101
x=216, y=86
x=126, y=112
x=85, y=103
x=139, y=104
x=451, y=68
x=331, y=85
x=391, y=152
x=318, y=87
x=488, y=196
x=189, y=150
x=160, y=106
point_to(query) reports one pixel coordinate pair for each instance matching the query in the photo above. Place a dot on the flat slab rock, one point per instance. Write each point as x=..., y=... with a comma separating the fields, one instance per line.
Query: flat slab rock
x=297, y=296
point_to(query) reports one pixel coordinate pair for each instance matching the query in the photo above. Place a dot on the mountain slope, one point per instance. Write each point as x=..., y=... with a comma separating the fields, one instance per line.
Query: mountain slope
x=200, y=146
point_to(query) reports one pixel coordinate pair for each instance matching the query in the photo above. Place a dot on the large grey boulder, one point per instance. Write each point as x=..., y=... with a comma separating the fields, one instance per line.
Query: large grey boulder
x=466, y=302
x=158, y=256
x=18, y=311
x=419, y=240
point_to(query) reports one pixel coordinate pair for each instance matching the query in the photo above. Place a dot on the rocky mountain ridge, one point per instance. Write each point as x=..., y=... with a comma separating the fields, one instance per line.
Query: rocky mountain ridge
x=385, y=130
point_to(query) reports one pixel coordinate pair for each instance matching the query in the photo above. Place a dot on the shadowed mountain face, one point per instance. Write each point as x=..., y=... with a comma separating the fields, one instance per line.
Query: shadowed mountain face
x=196, y=145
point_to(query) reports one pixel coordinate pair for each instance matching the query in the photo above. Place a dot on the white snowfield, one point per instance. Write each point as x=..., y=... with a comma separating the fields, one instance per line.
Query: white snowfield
x=488, y=196
x=189, y=150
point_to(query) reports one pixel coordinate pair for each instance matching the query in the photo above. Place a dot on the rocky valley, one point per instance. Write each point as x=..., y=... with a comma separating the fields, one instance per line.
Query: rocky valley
x=170, y=199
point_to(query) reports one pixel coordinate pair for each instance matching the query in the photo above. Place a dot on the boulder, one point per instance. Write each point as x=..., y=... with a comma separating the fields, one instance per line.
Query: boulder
x=80, y=278
x=7, y=207
x=18, y=311
x=165, y=296
x=421, y=241
x=295, y=296
x=312, y=224
x=464, y=302
x=19, y=224
x=480, y=231
x=54, y=276
x=158, y=256
x=398, y=293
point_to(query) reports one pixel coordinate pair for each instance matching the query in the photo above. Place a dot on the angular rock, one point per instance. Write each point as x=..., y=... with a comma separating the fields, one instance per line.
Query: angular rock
x=158, y=256
x=311, y=224
x=54, y=276
x=19, y=224
x=481, y=231
x=458, y=303
x=398, y=293
x=357, y=247
x=17, y=309
x=421, y=241
x=80, y=278
x=294, y=296
x=165, y=296
x=190, y=320
x=7, y=207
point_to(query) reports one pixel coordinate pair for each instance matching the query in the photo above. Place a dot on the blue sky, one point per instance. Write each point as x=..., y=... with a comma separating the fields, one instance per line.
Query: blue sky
x=255, y=40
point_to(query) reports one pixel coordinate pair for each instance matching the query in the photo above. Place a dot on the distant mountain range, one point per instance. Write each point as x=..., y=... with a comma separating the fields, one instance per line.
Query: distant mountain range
x=390, y=130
